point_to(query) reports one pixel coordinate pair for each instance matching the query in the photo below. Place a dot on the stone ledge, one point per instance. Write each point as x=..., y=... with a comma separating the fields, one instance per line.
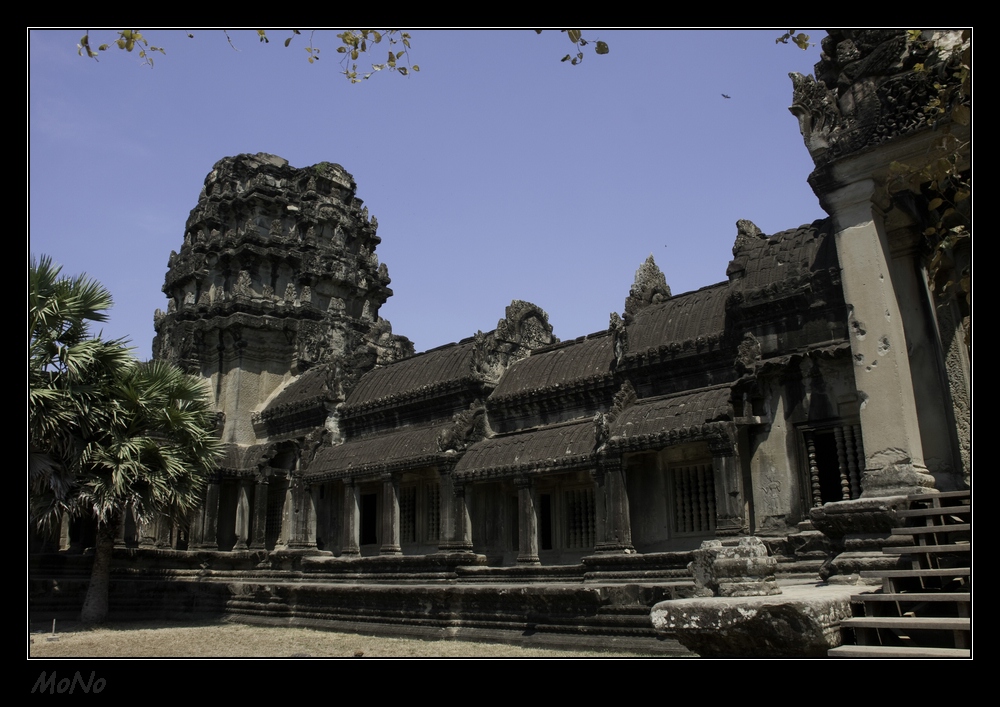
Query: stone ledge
x=802, y=621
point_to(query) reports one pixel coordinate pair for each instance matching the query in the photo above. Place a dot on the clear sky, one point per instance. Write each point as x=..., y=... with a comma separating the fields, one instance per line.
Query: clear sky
x=496, y=172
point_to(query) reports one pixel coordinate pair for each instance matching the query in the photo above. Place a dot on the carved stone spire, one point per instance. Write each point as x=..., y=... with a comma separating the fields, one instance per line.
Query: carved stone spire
x=650, y=287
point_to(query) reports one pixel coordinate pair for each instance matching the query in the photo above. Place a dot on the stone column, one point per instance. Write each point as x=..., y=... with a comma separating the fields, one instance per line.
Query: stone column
x=167, y=532
x=302, y=524
x=463, y=523
x=527, y=521
x=936, y=362
x=65, y=543
x=613, y=522
x=351, y=535
x=446, y=512
x=258, y=526
x=146, y=532
x=243, y=515
x=890, y=429
x=125, y=529
x=390, y=516
x=456, y=526
x=894, y=463
x=207, y=537
x=728, y=496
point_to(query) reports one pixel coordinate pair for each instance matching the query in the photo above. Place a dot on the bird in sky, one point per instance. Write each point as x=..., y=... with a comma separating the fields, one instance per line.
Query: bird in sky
x=725, y=96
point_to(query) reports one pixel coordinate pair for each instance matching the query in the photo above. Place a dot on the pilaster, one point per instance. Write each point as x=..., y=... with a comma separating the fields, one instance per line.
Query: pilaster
x=894, y=461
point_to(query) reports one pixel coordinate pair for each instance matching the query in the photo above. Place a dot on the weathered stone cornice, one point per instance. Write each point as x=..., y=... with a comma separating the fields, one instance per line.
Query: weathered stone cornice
x=665, y=438
x=539, y=468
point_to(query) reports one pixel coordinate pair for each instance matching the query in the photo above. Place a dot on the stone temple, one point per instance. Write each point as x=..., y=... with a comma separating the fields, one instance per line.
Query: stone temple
x=798, y=400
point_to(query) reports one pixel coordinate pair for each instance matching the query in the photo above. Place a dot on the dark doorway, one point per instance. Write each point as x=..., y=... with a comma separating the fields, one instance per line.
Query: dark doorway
x=545, y=521
x=369, y=518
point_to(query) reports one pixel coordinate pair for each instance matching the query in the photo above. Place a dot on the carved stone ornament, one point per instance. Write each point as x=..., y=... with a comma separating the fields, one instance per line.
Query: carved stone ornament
x=619, y=337
x=650, y=287
x=747, y=354
x=467, y=427
x=871, y=86
x=746, y=232
x=487, y=361
x=624, y=398
x=312, y=444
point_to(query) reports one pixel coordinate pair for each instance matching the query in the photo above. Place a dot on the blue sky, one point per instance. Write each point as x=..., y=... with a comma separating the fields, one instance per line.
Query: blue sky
x=496, y=172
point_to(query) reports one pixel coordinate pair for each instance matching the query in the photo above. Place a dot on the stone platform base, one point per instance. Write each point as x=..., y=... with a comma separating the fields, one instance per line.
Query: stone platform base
x=504, y=608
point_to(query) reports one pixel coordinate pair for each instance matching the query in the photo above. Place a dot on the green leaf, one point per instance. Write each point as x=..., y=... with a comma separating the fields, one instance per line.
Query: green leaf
x=602, y=47
x=574, y=35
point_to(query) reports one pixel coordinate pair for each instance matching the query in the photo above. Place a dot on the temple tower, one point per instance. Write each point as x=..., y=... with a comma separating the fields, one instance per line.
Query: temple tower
x=277, y=274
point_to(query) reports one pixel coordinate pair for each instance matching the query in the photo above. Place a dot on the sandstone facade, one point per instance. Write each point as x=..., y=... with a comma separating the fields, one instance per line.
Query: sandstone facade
x=815, y=385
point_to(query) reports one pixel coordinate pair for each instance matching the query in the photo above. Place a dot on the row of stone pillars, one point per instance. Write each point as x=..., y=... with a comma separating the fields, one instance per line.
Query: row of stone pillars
x=455, y=527
x=298, y=519
x=250, y=530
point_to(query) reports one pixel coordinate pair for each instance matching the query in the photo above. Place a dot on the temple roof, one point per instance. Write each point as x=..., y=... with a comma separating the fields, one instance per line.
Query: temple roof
x=686, y=317
x=422, y=375
x=302, y=390
x=793, y=254
x=564, y=364
x=658, y=422
x=551, y=448
x=240, y=459
x=409, y=447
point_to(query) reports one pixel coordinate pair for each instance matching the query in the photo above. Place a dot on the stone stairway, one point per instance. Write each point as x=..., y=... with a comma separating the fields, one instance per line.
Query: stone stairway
x=924, y=609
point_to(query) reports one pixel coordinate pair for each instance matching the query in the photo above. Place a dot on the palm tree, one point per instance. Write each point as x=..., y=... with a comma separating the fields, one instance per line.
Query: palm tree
x=107, y=435
x=68, y=375
x=158, y=452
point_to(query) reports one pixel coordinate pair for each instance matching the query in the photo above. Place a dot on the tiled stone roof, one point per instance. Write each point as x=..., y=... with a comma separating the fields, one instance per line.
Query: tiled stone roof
x=551, y=448
x=681, y=319
x=792, y=255
x=659, y=422
x=424, y=374
x=409, y=447
x=240, y=460
x=563, y=365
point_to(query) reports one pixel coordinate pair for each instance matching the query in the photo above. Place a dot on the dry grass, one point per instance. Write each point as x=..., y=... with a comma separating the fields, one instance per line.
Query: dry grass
x=230, y=640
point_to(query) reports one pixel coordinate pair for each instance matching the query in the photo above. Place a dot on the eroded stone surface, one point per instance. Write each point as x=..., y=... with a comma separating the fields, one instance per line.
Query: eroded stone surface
x=734, y=568
x=803, y=621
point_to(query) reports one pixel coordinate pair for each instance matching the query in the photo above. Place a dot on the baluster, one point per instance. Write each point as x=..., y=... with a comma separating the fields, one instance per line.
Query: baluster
x=852, y=460
x=710, y=479
x=860, y=455
x=817, y=495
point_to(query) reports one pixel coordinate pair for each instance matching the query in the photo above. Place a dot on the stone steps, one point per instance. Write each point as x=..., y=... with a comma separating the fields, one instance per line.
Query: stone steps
x=923, y=611
x=898, y=652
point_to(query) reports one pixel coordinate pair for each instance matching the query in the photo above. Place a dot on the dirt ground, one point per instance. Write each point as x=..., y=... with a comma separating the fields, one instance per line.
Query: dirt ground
x=230, y=640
